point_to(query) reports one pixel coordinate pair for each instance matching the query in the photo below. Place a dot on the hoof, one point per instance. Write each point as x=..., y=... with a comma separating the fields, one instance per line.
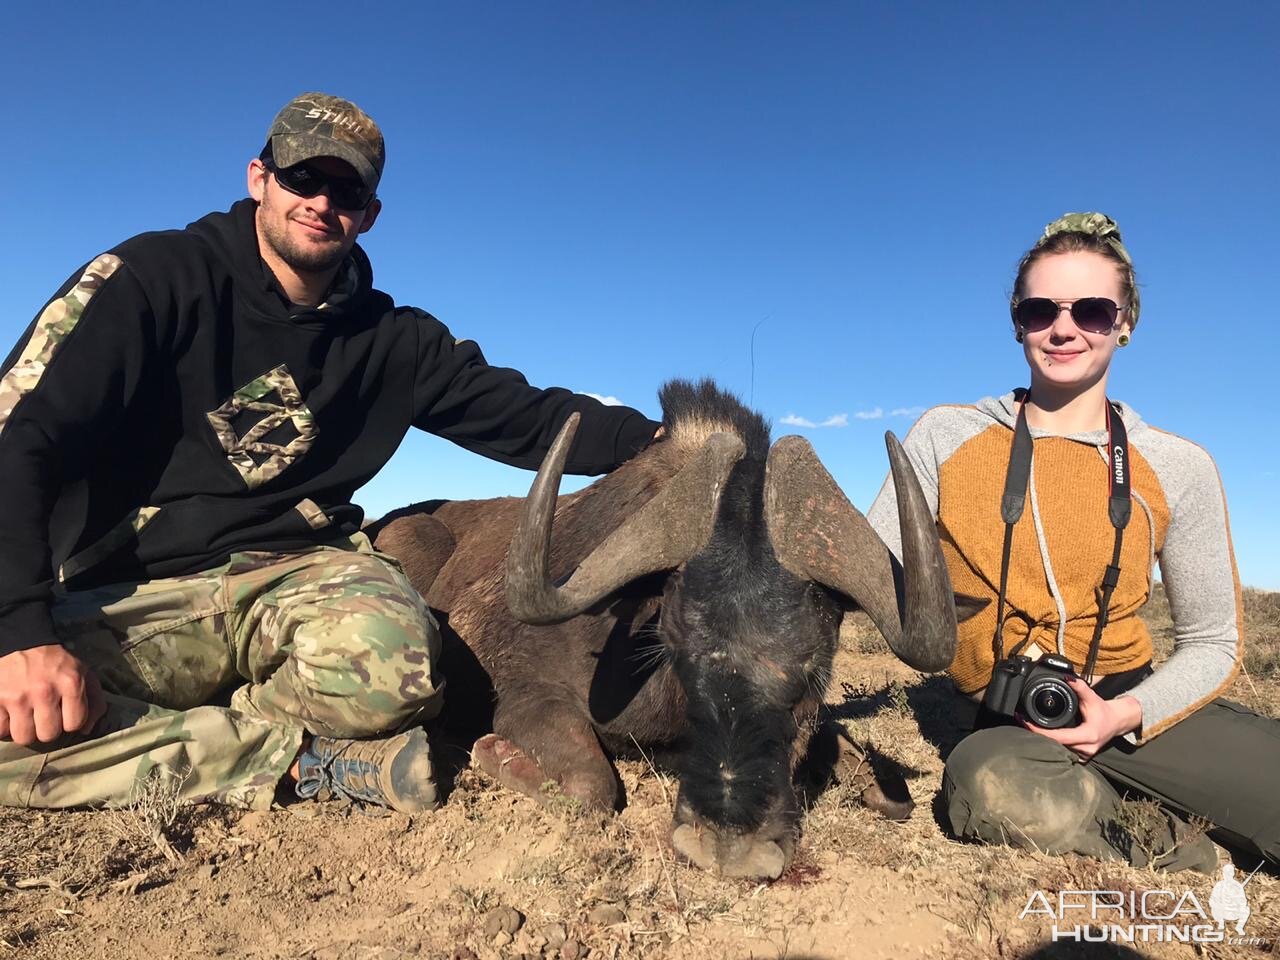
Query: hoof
x=882, y=790
x=875, y=798
x=509, y=765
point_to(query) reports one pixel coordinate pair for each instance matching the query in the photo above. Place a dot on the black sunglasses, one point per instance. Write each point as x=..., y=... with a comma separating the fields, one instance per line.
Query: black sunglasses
x=1090, y=314
x=307, y=181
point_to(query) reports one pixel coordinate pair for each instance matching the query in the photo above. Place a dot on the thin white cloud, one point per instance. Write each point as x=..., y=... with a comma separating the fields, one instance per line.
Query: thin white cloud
x=906, y=411
x=875, y=414
x=835, y=420
x=607, y=401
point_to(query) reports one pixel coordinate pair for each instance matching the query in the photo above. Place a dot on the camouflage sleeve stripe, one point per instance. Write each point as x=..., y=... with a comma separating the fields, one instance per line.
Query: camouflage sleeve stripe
x=316, y=518
x=114, y=539
x=52, y=328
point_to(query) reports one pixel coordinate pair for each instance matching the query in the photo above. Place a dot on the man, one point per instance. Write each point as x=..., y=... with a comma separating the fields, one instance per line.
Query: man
x=181, y=431
x=1228, y=901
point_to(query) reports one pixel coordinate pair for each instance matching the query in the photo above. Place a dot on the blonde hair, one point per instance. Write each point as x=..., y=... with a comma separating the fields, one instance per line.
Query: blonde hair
x=1082, y=233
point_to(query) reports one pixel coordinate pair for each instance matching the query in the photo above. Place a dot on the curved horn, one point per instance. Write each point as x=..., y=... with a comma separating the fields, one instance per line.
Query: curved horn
x=819, y=535
x=661, y=535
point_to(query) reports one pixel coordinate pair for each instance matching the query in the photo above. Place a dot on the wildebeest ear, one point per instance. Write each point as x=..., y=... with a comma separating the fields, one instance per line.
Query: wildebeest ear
x=967, y=607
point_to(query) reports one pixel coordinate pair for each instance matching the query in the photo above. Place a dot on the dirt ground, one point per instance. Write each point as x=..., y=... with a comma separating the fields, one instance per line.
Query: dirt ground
x=495, y=875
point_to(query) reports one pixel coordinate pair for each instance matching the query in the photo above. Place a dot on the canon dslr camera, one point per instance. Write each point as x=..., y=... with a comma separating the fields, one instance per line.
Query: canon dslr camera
x=1036, y=689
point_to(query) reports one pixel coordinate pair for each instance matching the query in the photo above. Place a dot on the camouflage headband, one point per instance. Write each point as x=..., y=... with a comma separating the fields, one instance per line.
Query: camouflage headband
x=1108, y=231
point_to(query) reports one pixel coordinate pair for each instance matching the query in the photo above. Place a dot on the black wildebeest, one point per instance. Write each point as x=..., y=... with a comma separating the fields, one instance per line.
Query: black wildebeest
x=689, y=603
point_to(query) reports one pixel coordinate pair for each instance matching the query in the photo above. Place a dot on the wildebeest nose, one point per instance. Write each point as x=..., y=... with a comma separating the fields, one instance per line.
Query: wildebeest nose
x=732, y=854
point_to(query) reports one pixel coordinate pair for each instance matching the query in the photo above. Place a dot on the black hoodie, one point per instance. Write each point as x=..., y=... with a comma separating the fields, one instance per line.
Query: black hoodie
x=172, y=408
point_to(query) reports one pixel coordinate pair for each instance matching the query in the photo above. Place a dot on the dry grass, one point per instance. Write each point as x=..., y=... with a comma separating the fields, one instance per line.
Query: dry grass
x=1262, y=631
x=1143, y=828
x=995, y=883
x=154, y=814
x=1257, y=686
x=583, y=886
x=613, y=881
x=87, y=855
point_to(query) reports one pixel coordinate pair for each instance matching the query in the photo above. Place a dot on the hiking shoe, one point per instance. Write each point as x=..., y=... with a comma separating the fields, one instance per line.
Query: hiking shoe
x=395, y=772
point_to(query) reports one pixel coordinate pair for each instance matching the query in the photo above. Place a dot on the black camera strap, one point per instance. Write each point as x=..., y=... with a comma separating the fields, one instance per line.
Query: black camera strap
x=1013, y=500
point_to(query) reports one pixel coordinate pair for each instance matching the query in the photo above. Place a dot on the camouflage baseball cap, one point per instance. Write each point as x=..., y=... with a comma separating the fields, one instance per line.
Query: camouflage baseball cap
x=320, y=125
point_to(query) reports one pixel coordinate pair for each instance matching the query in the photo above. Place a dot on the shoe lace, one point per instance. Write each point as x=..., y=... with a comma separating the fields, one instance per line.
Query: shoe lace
x=343, y=769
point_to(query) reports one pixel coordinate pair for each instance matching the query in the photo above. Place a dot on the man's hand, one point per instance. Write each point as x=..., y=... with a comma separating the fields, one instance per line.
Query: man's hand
x=46, y=692
x=1101, y=721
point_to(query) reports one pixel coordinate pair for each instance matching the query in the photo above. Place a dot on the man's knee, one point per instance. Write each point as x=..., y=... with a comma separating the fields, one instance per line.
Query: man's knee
x=1009, y=785
x=372, y=673
x=348, y=648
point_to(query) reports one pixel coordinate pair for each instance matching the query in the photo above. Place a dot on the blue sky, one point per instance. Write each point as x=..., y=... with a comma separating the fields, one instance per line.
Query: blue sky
x=606, y=195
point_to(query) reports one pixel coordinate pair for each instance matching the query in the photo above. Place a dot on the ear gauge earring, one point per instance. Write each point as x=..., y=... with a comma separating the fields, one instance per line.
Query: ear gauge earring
x=1122, y=340
x=1019, y=335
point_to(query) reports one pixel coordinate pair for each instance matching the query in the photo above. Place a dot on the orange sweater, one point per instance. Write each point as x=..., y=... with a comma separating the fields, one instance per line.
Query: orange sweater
x=1079, y=539
x=1063, y=543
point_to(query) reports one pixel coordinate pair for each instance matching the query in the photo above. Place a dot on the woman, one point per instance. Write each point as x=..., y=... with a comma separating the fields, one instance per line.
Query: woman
x=1105, y=496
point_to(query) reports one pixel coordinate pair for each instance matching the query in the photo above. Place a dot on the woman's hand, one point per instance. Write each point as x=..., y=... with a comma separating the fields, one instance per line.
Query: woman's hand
x=1101, y=720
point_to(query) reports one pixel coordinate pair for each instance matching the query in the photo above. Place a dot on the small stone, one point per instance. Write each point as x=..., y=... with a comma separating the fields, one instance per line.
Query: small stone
x=501, y=939
x=345, y=887
x=571, y=950
x=254, y=821
x=356, y=877
x=606, y=915
x=207, y=872
x=555, y=935
x=502, y=920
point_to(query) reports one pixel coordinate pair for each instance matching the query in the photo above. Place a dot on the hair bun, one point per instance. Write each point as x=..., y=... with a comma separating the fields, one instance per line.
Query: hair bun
x=1091, y=224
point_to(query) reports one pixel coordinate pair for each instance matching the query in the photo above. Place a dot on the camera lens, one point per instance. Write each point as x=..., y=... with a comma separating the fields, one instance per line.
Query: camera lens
x=1050, y=704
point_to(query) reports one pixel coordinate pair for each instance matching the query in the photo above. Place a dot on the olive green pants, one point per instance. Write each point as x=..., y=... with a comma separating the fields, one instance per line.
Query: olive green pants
x=212, y=679
x=1006, y=784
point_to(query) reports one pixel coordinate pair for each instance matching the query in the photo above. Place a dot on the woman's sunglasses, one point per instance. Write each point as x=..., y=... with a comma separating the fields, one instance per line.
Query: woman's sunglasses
x=307, y=181
x=1090, y=314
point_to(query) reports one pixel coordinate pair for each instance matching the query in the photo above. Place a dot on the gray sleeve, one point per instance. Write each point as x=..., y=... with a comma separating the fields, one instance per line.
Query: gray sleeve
x=1199, y=574
x=883, y=515
x=933, y=438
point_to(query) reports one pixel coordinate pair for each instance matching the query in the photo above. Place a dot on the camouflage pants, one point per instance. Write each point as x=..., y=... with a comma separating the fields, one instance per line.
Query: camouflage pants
x=213, y=678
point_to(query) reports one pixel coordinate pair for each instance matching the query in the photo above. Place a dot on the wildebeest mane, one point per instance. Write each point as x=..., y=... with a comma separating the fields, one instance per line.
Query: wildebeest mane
x=691, y=412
